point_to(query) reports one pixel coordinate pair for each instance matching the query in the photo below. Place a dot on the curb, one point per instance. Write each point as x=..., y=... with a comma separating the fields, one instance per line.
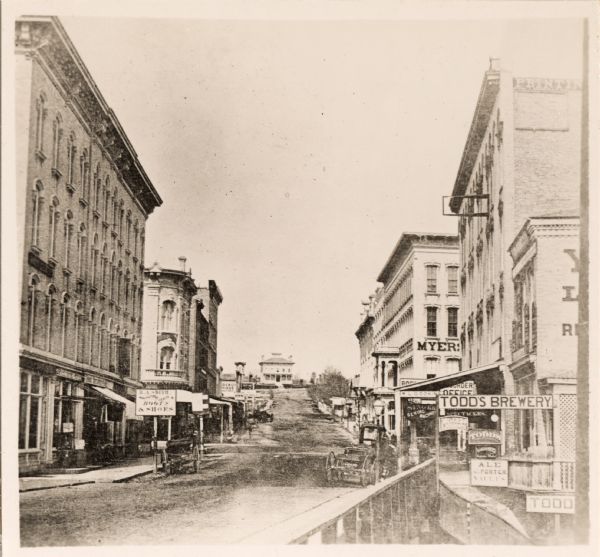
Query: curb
x=137, y=475
x=55, y=486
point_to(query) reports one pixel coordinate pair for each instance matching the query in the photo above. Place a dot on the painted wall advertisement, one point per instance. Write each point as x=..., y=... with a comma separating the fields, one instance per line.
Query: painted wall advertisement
x=489, y=472
x=155, y=402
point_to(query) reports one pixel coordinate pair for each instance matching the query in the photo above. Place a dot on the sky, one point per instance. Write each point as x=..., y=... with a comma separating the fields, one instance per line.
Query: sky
x=291, y=155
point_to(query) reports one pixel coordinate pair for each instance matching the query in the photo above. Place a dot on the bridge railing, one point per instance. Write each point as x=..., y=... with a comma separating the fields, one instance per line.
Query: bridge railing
x=400, y=509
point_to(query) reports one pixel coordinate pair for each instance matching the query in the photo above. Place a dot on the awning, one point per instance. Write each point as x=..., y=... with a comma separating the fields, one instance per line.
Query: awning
x=216, y=402
x=383, y=391
x=488, y=379
x=129, y=406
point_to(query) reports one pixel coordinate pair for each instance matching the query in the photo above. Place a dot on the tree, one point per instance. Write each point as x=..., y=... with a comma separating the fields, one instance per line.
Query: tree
x=331, y=384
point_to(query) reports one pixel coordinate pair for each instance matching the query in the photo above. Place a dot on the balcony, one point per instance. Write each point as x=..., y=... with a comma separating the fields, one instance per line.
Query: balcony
x=166, y=375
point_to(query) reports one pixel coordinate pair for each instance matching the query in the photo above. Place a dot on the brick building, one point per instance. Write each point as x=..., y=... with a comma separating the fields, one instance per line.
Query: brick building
x=83, y=200
x=517, y=198
x=411, y=322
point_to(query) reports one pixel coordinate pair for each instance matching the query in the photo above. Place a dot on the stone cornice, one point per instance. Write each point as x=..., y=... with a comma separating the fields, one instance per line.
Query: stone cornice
x=45, y=38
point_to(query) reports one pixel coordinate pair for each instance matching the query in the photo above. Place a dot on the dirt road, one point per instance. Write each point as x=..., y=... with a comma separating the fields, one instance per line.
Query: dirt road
x=242, y=488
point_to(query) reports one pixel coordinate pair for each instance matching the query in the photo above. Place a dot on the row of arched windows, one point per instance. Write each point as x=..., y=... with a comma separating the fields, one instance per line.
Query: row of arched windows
x=61, y=325
x=95, y=190
x=68, y=242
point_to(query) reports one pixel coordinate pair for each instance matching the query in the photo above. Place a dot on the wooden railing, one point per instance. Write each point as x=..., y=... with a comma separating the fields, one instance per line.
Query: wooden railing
x=541, y=474
x=400, y=509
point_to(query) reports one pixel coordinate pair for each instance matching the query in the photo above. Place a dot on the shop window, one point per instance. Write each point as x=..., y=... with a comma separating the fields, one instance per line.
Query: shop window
x=30, y=410
x=452, y=280
x=64, y=414
x=453, y=322
x=431, y=279
x=432, y=322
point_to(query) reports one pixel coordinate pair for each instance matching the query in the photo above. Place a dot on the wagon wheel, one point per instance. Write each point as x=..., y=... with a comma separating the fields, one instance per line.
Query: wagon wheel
x=329, y=468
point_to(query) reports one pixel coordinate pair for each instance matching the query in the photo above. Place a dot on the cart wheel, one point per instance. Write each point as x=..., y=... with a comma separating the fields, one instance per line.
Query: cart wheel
x=329, y=468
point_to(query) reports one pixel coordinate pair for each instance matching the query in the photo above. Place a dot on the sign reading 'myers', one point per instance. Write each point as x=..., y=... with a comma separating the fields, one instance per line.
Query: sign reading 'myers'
x=497, y=402
x=155, y=402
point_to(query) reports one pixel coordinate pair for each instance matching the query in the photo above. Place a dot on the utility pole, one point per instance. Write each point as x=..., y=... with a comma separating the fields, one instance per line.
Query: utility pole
x=582, y=465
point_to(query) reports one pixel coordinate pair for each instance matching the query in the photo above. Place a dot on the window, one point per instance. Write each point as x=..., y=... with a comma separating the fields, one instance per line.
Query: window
x=431, y=279
x=37, y=210
x=71, y=153
x=53, y=227
x=166, y=357
x=81, y=251
x=64, y=325
x=452, y=280
x=533, y=327
x=67, y=238
x=30, y=410
x=452, y=365
x=50, y=315
x=84, y=172
x=56, y=137
x=431, y=367
x=32, y=309
x=431, y=322
x=453, y=322
x=64, y=412
x=41, y=112
x=106, y=197
x=166, y=318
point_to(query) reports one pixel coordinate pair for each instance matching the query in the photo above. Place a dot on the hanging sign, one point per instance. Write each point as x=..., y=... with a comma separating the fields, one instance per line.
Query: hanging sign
x=155, y=402
x=558, y=504
x=464, y=388
x=497, y=402
x=418, y=394
x=484, y=437
x=489, y=472
x=454, y=422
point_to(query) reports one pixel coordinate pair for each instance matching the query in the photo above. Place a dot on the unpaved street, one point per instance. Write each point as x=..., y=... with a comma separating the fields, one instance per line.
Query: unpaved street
x=242, y=488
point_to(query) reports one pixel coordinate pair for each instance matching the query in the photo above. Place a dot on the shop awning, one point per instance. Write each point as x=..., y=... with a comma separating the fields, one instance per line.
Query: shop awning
x=488, y=379
x=383, y=391
x=216, y=402
x=129, y=405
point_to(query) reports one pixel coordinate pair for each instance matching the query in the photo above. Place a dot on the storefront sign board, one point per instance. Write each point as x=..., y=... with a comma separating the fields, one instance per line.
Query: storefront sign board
x=454, y=422
x=555, y=504
x=497, y=402
x=489, y=472
x=484, y=437
x=155, y=402
x=418, y=394
x=464, y=388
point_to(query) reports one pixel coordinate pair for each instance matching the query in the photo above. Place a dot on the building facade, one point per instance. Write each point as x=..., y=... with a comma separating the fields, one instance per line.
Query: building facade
x=206, y=312
x=167, y=350
x=276, y=370
x=83, y=200
x=409, y=330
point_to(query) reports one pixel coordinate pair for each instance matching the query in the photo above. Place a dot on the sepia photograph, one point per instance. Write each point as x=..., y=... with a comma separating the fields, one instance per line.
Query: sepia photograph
x=311, y=273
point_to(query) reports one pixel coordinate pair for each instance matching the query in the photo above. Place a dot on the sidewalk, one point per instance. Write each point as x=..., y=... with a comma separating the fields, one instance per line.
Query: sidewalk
x=115, y=473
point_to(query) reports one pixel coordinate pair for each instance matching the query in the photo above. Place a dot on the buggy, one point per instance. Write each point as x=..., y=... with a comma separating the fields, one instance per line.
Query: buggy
x=372, y=458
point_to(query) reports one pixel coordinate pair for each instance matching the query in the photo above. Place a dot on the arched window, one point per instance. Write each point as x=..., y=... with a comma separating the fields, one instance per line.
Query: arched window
x=97, y=189
x=64, y=323
x=103, y=269
x=92, y=340
x=135, y=239
x=121, y=216
x=84, y=174
x=119, y=282
x=127, y=292
x=71, y=154
x=106, y=197
x=34, y=282
x=113, y=276
x=68, y=239
x=533, y=327
x=53, y=227
x=166, y=357
x=526, y=327
x=50, y=315
x=110, y=335
x=81, y=251
x=37, y=212
x=40, y=122
x=78, y=333
x=95, y=255
x=168, y=309
x=57, y=133
x=102, y=342
x=115, y=208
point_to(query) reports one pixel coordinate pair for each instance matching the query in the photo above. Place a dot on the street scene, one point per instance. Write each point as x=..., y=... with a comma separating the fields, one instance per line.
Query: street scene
x=299, y=281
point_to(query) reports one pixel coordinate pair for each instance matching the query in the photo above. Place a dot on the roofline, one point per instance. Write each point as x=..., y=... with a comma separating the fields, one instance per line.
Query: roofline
x=487, y=97
x=409, y=239
x=108, y=116
x=531, y=222
x=421, y=385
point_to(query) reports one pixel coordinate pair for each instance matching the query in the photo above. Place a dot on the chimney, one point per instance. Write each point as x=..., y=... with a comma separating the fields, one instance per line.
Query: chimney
x=494, y=64
x=182, y=261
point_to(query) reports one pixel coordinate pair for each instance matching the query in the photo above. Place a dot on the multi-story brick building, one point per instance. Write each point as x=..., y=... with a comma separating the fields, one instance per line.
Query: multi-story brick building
x=83, y=201
x=411, y=323
x=206, y=309
x=516, y=193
